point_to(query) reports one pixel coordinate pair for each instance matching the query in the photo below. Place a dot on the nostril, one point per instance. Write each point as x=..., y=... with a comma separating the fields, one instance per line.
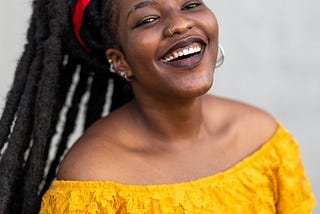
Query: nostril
x=170, y=31
x=177, y=24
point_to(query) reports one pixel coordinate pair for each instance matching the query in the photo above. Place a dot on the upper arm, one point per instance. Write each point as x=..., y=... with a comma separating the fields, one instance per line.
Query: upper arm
x=294, y=188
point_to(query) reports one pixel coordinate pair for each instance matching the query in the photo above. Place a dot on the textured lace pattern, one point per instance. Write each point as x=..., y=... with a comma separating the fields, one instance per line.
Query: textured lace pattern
x=272, y=180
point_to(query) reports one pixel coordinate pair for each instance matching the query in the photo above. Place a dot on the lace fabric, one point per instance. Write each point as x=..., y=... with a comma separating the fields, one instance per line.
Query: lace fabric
x=271, y=180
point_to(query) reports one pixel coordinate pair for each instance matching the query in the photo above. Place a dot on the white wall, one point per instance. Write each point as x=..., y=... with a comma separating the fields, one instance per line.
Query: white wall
x=272, y=61
x=14, y=16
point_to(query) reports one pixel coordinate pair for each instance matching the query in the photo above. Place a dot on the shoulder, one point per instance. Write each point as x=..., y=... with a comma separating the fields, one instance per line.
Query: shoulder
x=83, y=159
x=250, y=126
x=239, y=112
x=93, y=155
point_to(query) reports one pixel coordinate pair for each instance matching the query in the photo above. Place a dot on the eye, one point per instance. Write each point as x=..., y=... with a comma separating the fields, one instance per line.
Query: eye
x=146, y=21
x=191, y=5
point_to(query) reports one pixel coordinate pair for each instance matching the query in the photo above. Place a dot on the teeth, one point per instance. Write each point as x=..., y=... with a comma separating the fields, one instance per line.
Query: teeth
x=194, y=48
x=185, y=52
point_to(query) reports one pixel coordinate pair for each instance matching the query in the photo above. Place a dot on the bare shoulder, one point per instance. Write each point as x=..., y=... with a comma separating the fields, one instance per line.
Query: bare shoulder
x=93, y=155
x=81, y=160
x=252, y=126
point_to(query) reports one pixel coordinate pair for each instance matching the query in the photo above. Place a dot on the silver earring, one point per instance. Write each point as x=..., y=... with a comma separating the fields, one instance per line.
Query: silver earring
x=124, y=75
x=220, y=57
x=111, y=68
x=120, y=73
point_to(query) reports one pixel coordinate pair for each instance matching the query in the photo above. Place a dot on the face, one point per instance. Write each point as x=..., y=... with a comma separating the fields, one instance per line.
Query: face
x=168, y=47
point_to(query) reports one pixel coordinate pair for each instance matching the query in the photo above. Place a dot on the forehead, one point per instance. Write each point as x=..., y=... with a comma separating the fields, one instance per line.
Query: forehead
x=131, y=5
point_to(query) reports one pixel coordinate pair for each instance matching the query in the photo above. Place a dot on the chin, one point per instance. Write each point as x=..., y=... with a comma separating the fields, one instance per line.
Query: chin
x=197, y=89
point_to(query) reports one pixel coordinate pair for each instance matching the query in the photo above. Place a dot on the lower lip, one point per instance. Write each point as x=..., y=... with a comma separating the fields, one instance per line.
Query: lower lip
x=188, y=62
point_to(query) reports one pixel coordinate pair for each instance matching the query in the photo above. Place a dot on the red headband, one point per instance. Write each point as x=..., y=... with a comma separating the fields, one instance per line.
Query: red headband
x=77, y=19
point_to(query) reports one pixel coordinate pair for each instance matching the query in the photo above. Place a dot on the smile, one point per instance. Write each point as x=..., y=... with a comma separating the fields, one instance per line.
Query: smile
x=183, y=53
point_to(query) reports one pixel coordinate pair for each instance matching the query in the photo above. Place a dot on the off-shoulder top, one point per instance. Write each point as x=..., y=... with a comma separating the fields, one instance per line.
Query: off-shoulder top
x=271, y=180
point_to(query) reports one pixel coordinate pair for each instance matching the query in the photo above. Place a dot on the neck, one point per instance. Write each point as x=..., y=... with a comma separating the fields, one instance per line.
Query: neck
x=170, y=120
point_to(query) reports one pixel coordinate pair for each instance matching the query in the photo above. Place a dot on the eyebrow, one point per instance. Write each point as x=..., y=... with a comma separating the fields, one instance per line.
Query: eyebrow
x=142, y=5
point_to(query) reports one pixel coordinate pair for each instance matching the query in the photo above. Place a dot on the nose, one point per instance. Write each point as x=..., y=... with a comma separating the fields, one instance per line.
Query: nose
x=178, y=23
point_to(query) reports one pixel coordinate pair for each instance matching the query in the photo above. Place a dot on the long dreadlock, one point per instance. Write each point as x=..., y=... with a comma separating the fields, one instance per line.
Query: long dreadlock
x=51, y=59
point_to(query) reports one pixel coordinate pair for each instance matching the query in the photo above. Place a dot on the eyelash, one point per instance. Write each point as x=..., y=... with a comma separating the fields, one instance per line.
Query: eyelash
x=191, y=6
x=146, y=21
x=153, y=19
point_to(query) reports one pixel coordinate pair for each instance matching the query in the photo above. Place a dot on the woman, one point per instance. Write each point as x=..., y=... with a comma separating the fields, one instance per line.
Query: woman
x=169, y=148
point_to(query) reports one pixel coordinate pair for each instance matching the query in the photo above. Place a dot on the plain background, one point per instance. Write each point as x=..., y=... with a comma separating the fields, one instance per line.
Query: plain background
x=272, y=61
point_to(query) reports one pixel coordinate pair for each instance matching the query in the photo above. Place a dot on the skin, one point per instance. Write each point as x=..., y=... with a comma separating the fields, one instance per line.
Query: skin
x=171, y=132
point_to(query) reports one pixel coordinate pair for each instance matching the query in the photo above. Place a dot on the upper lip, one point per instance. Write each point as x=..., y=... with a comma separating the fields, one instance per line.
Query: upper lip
x=184, y=43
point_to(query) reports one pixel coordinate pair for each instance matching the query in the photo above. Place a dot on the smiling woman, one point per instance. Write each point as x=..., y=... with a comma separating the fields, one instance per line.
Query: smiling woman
x=164, y=146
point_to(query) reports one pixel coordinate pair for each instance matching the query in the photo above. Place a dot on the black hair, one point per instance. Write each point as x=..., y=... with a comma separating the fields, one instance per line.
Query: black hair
x=47, y=71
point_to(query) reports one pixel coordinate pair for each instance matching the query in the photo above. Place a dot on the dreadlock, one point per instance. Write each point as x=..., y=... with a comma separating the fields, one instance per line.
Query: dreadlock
x=45, y=74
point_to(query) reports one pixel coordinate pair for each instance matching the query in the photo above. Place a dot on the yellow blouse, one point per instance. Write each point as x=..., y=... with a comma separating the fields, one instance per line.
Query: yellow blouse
x=272, y=180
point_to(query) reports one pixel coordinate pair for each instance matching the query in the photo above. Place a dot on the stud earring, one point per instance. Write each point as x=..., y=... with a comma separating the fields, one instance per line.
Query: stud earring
x=120, y=73
x=220, y=57
x=124, y=75
x=111, y=68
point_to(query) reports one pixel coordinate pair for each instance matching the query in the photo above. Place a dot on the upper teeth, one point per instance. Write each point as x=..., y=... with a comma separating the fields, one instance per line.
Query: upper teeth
x=191, y=49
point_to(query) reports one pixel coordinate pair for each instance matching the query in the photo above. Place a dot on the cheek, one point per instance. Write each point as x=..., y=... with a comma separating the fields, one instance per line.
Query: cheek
x=140, y=50
x=210, y=26
x=210, y=23
x=142, y=45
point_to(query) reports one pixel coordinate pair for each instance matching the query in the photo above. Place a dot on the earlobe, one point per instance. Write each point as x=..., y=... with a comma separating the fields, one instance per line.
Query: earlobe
x=119, y=63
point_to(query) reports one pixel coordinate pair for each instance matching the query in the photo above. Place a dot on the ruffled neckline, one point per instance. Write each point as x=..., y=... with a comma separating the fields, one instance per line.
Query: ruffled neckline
x=266, y=148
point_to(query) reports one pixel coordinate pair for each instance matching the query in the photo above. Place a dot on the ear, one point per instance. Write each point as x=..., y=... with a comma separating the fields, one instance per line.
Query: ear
x=119, y=61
